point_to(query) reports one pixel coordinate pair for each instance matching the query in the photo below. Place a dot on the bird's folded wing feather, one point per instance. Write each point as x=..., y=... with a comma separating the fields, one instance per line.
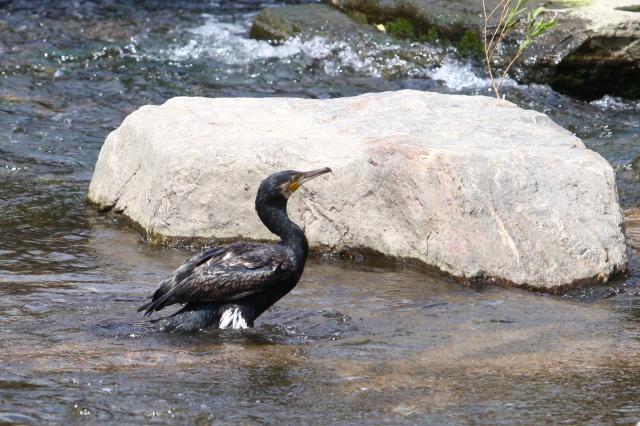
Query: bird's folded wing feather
x=227, y=278
x=228, y=273
x=210, y=255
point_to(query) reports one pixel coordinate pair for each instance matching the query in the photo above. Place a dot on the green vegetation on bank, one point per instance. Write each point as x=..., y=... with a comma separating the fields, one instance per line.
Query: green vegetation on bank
x=468, y=45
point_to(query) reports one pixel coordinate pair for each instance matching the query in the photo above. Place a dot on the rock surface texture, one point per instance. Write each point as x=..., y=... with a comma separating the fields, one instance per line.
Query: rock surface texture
x=474, y=186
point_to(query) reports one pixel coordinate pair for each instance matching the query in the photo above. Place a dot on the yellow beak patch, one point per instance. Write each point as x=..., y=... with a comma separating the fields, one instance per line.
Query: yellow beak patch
x=293, y=186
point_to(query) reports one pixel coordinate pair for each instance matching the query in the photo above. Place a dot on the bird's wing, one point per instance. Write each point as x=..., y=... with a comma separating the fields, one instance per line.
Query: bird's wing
x=212, y=254
x=230, y=273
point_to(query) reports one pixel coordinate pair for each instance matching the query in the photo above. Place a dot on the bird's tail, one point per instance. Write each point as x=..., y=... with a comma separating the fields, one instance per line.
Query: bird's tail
x=148, y=307
x=158, y=302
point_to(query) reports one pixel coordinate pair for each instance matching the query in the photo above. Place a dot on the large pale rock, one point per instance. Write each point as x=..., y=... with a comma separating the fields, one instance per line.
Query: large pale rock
x=474, y=186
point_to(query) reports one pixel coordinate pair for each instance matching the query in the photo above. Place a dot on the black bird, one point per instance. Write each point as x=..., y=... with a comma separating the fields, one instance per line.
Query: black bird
x=233, y=284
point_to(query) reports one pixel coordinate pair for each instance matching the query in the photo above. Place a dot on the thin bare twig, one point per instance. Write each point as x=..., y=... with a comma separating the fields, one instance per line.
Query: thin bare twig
x=507, y=15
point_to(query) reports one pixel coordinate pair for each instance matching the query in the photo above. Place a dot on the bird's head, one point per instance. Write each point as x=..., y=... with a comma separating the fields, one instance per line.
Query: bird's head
x=280, y=186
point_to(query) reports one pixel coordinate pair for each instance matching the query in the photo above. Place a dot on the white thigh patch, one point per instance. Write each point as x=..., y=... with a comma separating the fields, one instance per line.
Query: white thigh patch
x=232, y=318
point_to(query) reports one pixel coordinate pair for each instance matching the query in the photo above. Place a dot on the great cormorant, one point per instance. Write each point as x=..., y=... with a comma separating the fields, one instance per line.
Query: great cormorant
x=229, y=286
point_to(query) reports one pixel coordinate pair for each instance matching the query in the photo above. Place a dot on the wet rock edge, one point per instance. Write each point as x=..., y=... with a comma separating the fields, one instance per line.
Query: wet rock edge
x=358, y=255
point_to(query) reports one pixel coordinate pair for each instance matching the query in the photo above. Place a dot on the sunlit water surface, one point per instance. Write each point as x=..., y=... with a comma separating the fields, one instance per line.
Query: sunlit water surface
x=353, y=343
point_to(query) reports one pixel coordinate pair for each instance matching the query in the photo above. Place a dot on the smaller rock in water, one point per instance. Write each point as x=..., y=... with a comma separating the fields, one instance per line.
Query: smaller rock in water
x=280, y=23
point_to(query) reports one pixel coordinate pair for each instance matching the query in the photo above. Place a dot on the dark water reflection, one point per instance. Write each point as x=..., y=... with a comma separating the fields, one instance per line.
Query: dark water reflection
x=353, y=343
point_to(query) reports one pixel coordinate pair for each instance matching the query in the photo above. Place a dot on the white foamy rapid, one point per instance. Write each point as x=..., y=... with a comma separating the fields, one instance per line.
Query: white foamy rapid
x=458, y=76
x=229, y=44
x=613, y=103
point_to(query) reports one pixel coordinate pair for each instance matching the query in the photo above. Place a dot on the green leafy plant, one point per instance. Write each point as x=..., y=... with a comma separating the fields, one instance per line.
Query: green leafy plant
x=401, y=28
x=431, y=35
x=499, y=22
x=470, y=45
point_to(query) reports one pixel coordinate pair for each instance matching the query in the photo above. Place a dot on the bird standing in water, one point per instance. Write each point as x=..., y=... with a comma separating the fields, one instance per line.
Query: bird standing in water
x=229, y=286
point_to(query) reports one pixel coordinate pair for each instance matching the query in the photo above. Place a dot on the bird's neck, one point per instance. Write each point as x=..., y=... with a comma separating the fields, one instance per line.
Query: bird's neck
x=275, y=218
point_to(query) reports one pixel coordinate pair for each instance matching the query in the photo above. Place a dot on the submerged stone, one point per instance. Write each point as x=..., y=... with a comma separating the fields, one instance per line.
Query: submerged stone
x=280, y=23
x=473, y=186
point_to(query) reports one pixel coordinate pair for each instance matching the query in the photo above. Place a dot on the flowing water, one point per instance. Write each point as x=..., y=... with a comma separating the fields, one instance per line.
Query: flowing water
x=354, y=342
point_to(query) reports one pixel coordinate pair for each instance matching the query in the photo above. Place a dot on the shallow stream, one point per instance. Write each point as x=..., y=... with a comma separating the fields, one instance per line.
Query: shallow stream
x=354, y=342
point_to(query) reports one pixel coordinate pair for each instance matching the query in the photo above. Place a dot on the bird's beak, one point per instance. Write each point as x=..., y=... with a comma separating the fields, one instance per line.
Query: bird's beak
x=307, y=176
